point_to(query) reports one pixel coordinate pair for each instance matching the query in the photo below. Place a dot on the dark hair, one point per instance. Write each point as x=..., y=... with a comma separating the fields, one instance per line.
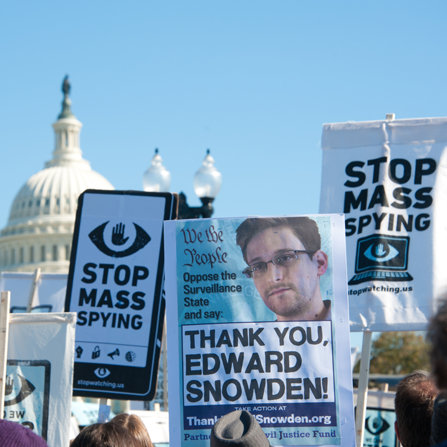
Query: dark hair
x=305, y=229
x=413, y=404
x=123, y=430
x=439, y=419
x=437, y=336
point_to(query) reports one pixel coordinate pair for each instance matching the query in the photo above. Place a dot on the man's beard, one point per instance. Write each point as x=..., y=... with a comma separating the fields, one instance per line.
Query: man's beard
x=298, y=305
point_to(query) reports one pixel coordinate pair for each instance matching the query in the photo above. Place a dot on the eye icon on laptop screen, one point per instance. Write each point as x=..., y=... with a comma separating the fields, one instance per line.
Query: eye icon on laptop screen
x=381, y=252
x=381, y=258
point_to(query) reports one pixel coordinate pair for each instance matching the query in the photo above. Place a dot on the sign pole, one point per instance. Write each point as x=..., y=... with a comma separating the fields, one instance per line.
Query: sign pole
x=362, y=392
x=4, y=332
x=33, y=290
x=164, y=350
x=104, y=410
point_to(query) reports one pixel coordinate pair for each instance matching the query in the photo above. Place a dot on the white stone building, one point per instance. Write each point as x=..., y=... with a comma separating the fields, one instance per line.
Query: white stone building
x=41, y=220
x=40, y=227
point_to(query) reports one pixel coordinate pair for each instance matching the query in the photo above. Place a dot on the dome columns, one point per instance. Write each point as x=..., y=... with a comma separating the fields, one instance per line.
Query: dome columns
x=66, y=148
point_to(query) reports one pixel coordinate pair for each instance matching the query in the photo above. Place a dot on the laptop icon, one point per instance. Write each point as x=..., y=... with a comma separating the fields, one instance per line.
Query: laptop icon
x=381, y=258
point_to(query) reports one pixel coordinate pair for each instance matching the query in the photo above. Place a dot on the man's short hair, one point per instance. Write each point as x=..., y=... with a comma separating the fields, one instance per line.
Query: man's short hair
x=123, y=430
x=437, y=336
x=413, y=404
x=304, y=228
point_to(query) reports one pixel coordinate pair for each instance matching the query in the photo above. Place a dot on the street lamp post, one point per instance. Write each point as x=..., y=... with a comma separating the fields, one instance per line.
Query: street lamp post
x=207, y=182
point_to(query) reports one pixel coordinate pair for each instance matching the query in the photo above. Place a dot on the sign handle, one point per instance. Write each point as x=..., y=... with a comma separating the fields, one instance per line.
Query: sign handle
x=4, y=333
x=362, y=391
x=165, y=365
x=104, y=410
x=33, y=289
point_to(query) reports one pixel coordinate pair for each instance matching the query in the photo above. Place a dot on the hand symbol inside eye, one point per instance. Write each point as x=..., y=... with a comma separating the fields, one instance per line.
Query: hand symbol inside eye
x=376, y=425
x=381, y=253
x=9, y=385
x=118, y=234
x=97, y=237
x=380, y=250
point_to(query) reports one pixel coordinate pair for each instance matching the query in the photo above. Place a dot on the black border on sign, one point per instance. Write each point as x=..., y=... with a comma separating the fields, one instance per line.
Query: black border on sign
x=143, y=381
x=385, y=410
x=46, y=391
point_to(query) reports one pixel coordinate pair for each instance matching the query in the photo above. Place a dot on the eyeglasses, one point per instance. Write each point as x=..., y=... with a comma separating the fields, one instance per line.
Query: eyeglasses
x=284, y=259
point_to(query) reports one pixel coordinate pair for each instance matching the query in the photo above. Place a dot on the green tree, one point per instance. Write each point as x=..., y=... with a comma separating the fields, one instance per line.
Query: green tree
x=399, y=353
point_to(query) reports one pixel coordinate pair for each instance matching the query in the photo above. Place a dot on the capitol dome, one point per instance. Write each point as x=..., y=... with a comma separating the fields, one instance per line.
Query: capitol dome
x=41, y=221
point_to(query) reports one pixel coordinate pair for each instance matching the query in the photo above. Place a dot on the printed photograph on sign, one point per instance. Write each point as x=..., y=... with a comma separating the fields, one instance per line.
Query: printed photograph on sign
x=253, y=301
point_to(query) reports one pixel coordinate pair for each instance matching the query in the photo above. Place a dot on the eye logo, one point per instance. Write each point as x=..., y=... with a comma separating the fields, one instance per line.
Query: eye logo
x=380, y=252
x=18, y=390
x=380, y=257
x=376, y=425
x=102, y=373
x=118, y=238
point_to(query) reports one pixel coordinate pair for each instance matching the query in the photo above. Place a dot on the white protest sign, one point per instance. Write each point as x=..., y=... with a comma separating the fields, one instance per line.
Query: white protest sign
x=40, y=373
x=289, y=349
x=115, y=285
x=389, y=179
x=379, y=427
x=49, y=296
x=273, y=340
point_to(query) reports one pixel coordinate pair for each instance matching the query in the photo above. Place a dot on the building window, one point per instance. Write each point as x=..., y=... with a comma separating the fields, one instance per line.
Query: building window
x=31, y=254
x=67, y=252
x=55, y=254
x=42, y=253
x=22, y=255
x=13, y=256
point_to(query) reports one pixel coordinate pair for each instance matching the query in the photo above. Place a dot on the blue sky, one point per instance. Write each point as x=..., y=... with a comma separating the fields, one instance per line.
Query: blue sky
x=252, y=80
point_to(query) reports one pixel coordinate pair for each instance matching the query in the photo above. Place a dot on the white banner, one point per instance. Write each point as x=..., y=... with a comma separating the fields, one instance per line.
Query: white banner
x=49, y=291
x=389, y=178
x=247, y=372
x=39, y=376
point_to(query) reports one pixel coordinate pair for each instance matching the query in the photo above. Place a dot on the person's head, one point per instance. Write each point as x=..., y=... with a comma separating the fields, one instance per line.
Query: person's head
x=413, y=404
x=238, y=429
x=123, y=430
x=439, y=419
x=437, y=336
x=13, y=434
x=285, y=260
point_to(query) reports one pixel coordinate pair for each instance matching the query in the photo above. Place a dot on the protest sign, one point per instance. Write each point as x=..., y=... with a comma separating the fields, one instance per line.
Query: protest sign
x=39, y=374
x=379, y=418
x=238, y=342
x=388, y=178
x=379, y=428
x=49, y=296
x=115, y=285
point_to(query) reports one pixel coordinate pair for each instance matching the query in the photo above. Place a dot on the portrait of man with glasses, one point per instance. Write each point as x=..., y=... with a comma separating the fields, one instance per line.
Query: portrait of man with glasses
x=285, y=262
